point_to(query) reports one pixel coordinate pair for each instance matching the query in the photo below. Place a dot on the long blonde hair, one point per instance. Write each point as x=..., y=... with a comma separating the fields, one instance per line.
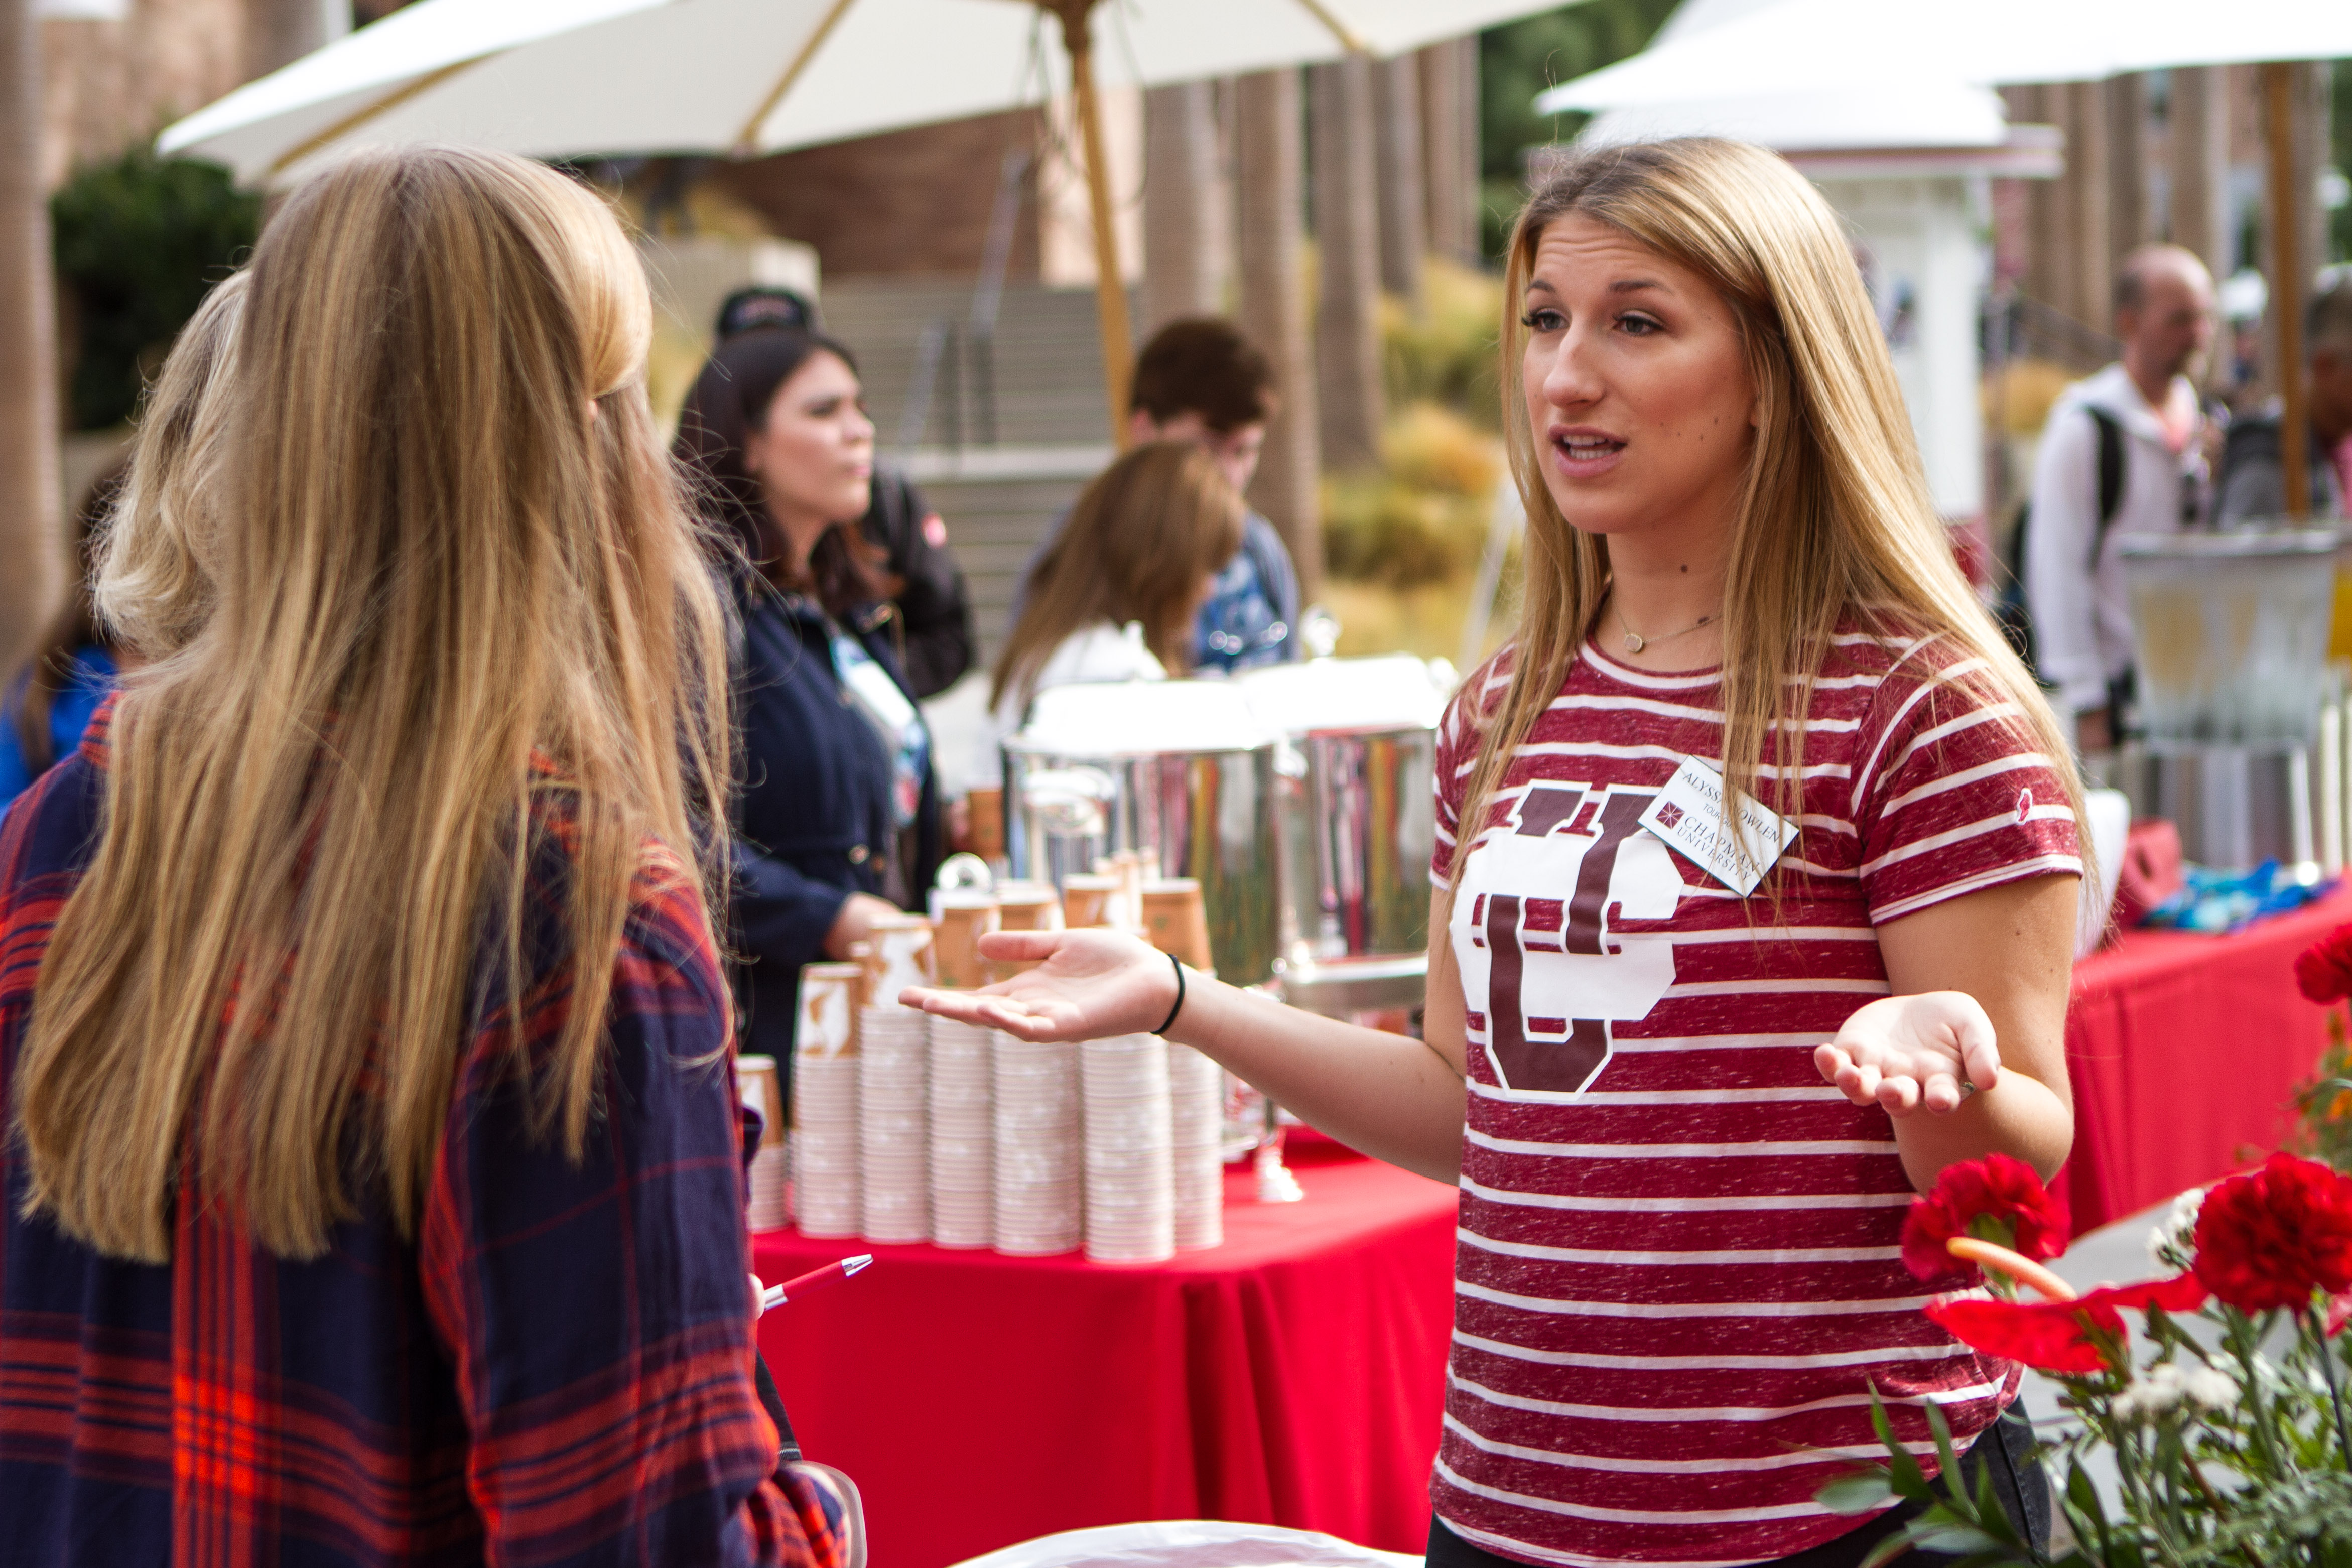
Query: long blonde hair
x=1140, y=540
x=458, y=619
x=1834, y=521
x=152, y=590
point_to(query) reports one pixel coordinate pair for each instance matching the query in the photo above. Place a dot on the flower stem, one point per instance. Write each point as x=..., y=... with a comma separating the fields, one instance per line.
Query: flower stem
x=2022, y=1269
x=2334, y=1387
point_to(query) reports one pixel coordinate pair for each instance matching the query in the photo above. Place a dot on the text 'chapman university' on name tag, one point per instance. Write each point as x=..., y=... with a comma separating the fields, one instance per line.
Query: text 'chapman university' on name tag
x=1688, y=815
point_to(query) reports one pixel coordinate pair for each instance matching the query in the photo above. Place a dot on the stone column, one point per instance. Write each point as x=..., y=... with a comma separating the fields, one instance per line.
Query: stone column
x=32, y=553
x=1449, y=130
x=2197, y=128
x=1405, y=210
x=1347, y=241
x=1187, y=252
x=1271, y=250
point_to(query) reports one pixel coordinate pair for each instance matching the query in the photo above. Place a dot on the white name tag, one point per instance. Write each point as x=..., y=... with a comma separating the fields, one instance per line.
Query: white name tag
x=1688, y=815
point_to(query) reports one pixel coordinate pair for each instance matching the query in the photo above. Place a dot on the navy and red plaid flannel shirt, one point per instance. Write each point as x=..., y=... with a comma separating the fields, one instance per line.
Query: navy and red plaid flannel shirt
x=556, y=1370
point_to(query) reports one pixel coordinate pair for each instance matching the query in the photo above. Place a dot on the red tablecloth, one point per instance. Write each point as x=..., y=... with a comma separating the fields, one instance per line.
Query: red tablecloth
x=1293, y=1376
x=2183, y=1050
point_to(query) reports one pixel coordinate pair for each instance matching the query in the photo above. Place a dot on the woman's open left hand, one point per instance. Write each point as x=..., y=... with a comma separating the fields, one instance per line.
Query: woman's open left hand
x=1906, y=1053
x=1090, y=985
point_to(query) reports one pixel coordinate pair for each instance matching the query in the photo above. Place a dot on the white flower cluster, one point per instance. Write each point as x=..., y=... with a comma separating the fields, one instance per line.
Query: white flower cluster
x=2168, y=1384
x=2173, y=1243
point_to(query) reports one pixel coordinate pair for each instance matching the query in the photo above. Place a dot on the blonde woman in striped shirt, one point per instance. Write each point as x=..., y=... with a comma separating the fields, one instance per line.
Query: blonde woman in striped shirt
x=1688, y=1097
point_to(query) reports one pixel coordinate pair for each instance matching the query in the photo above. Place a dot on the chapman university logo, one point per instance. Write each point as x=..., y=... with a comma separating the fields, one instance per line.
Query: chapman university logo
x=1532, y=930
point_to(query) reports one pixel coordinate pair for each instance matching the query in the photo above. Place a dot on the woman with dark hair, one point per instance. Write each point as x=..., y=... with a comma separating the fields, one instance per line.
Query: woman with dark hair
x=836, y=815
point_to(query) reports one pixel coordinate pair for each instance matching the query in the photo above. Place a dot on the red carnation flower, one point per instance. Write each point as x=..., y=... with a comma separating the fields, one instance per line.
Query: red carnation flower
x=2322, y=970
x=2061, y=1336
x=1996, y=1199
x=2273, y=1237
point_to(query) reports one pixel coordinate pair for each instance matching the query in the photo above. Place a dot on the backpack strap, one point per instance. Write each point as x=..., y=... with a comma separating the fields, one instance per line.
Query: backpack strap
x=2111, y=477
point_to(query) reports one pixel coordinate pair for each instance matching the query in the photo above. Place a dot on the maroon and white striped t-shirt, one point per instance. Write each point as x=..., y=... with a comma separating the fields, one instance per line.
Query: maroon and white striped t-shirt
x=1678, y=1272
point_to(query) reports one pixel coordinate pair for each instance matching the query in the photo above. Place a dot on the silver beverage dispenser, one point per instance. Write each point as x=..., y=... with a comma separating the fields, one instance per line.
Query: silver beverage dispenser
x=2231, y=634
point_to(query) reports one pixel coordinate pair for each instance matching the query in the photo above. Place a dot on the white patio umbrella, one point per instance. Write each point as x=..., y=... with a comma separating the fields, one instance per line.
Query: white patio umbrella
x=1798, y=45
x=1791, y=46
x=742, y=78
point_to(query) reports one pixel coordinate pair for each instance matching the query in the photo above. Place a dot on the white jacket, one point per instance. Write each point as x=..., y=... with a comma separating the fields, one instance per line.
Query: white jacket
x=1100, y=652
x=2082, y=617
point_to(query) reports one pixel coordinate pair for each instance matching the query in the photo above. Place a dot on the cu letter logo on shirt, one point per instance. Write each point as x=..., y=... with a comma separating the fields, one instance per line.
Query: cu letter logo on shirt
x=1532, y=932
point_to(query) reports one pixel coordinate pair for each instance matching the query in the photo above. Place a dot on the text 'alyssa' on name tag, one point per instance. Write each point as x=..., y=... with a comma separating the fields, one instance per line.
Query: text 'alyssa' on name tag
x=1688, y=815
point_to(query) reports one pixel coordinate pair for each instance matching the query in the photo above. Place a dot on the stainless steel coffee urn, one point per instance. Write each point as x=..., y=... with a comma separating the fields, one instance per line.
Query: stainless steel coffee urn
x=1354, y=791
x=1180, y=771
x=2230, y=633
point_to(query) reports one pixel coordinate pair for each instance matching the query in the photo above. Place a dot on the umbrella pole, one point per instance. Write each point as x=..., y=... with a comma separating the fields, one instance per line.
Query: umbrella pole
x=2286, y=292
x=1110, y=289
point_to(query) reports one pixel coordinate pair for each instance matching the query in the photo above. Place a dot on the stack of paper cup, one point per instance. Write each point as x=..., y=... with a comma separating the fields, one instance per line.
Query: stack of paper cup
x=1040, y=1147
x=1023, y=906
x=755, y=1078
x=1176, y=920
x=893, y=1122
x=965, y=915
x=1089, y=900
x=1196, y=1102
x=963, y=1135
x=1130, y=1204
x=827, y=1157
x=902, y=955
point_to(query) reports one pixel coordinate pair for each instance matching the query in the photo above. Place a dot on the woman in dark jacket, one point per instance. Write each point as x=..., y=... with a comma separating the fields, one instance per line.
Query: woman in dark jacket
x=837, y=815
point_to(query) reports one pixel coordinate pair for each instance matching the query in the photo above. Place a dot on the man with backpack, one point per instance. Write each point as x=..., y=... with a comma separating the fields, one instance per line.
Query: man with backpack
x=2123, y=453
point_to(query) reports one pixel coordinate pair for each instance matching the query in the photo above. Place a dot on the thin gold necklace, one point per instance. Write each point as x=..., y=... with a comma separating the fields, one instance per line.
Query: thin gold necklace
x=1635, y=642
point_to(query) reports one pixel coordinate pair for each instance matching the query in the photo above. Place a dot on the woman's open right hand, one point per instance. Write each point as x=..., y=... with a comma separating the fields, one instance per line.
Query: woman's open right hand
x=1090, y=985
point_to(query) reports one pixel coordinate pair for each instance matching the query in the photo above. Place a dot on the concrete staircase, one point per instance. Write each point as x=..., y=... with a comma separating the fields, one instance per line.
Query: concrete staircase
x=1051, y=433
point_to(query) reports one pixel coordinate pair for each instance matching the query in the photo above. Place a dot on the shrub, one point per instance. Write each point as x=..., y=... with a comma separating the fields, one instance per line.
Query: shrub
x=1421, y=516
x=138, y=242
x=1445, y=352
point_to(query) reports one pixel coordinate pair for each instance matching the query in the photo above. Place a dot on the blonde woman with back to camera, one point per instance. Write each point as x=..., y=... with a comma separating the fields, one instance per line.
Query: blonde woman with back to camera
x=1684, y=1131
x=372, y=1174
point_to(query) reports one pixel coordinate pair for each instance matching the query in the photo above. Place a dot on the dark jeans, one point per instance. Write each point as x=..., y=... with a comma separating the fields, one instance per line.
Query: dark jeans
x=2006, y=1448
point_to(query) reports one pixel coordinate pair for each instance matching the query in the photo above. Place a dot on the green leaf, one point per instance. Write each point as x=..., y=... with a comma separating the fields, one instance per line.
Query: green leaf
x=1857, y=1493
x=1894, y=1546
x=2085, y=1496
x=1991, y=1517
x=1903, y=1471
x=1946, y=1457
x=1955, y=1537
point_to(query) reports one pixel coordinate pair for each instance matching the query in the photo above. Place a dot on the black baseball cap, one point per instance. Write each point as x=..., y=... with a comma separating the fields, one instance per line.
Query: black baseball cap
x=765, y=306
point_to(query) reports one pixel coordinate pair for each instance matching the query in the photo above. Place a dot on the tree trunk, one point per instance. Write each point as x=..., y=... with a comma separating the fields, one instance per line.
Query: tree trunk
x=2089, y=250
x=1273, y=313
x=2129, y=219
x=2199, y=122
x=1404, y=212
x=2045, y=270
x=1187, y=253
x=32, y=553
x=1347, y=241
x=279, y=32
x=1449, y=126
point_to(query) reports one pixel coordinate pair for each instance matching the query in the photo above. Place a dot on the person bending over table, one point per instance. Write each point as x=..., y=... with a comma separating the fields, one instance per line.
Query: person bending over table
x=837, y=814
x=374, y=1169
x=1113, y=597
x=1685, y=1132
